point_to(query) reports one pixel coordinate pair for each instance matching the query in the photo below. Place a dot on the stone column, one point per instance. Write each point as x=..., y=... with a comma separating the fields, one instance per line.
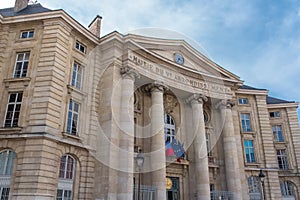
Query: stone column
x=126, y=152
x=232, y=169
x=200, y=149
x=158, y=157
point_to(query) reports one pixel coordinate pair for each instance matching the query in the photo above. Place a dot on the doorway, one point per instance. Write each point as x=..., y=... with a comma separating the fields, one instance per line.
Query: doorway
x=173, y=188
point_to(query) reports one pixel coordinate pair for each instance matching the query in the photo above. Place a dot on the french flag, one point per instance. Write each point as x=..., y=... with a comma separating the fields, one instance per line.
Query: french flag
x=169, y=149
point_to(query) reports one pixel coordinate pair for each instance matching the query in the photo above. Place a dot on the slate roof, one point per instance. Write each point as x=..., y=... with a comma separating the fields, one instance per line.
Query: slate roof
x=247, y=87
x=272, y=100
x=30, y=9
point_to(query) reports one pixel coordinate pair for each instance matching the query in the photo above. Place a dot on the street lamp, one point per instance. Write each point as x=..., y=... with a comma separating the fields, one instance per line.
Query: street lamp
x=139, y=161
x=262, y=176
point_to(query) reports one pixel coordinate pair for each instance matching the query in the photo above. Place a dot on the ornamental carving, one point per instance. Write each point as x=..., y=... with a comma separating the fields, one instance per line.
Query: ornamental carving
x=197, y=98
x=157, y=86
x=128, y=72
x=170, y=102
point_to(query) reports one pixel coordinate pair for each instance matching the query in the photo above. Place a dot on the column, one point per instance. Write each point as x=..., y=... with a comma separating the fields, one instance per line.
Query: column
x=158, y=157
x=200, y=149
x=232, y=169
x=126, y=152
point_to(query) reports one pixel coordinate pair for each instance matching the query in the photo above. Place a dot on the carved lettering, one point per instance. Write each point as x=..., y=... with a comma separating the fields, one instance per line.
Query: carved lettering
x=172, y=75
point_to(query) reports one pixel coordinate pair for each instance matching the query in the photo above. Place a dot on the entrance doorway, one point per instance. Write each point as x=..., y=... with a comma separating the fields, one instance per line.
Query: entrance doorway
x=173, y=188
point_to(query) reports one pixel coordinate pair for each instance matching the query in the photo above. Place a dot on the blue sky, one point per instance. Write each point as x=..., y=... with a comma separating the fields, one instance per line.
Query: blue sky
x=257, y=40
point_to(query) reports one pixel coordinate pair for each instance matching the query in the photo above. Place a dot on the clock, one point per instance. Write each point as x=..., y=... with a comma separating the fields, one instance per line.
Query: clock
x=169, y=183
x=178, y=58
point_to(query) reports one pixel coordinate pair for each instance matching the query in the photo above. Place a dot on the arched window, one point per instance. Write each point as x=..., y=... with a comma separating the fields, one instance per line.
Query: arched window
x=254, y=187
x=7, y=158
x=170, y=130
x=287, y=189
x=66, y=178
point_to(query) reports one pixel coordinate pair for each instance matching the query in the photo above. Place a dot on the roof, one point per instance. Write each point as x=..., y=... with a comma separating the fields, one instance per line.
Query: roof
x=30, y=9
x=247, y=87
x=272, y=100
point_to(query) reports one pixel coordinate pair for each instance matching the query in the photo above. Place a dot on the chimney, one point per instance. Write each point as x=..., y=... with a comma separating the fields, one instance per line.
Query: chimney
x=20, y=5
x=95, y=26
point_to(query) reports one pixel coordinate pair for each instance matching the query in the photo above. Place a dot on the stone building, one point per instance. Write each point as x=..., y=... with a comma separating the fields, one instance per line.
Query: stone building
x=76, y=108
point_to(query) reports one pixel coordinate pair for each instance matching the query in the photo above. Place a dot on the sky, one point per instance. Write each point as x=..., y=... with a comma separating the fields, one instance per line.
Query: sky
x=257, y=40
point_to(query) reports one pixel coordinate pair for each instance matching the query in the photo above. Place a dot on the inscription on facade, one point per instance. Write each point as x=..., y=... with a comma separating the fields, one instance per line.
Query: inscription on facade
x=176, y=76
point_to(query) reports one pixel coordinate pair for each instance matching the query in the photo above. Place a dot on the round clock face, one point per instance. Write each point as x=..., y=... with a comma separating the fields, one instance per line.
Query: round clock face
x=178, y=58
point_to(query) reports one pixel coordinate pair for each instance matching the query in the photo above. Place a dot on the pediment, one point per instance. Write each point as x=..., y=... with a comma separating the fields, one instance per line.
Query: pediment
x=165, y=50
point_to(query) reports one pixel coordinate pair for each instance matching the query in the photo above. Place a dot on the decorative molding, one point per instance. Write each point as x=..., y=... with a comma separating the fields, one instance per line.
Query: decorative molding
x=222, y=104
x=170, y=102
x=197, y=98
x=157, y=86
x=129, y=73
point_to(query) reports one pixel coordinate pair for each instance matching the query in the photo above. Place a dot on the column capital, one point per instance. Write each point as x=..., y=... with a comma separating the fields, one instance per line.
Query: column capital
x=225, y=104
x=196, y=98
x=157, y=86
x=129, y=73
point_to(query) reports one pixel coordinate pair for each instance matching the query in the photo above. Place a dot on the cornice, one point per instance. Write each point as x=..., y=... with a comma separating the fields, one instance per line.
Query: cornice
x=50, y=15
x=252, y=92
x=284, y=105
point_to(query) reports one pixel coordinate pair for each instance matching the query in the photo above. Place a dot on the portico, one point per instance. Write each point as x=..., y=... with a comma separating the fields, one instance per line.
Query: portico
x=193, y=98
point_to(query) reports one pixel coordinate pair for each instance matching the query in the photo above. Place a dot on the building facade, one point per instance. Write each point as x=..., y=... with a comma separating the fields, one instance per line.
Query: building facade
x=76, y=109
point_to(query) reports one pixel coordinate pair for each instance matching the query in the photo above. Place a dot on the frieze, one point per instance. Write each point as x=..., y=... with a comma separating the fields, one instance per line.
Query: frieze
x=176, y=76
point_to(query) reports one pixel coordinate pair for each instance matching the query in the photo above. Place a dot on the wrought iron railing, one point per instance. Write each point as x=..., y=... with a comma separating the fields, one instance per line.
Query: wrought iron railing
x=146, y=192
x=221, y=195
x=255, y=196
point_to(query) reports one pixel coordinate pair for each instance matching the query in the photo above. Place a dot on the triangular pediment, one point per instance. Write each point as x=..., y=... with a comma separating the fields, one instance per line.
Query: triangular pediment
x=168, y=51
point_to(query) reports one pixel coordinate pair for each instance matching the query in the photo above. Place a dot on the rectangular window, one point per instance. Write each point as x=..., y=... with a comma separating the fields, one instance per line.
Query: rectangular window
x=243, y=101
x=13, y=109
x=80, y=47
x=27, y=34
x=277, y=132
x=249, y=151
x=64, y=194
x=21, y=66
x=77, y=76
x=73, y=117
x=245, y=120
x=4, y=193
x=282, y=159
x=274, y=114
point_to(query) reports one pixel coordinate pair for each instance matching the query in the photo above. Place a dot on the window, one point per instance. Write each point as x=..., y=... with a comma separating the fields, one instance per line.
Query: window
x=208, y=144
x=169, y=128
x=64, y=194
x=77, y=76
x=277, y=132
x=243, y=101
x=7, y=158
x=27, y=34
x=274, y=114
x=249, y=151
x=282, y=159
x=21, y=65
x=245, y=120
x=287, y=189
x=66, y=169
x=80, y=47
x=254, y=187
x=66, y=178
x=13, y=109
x=73, y=118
